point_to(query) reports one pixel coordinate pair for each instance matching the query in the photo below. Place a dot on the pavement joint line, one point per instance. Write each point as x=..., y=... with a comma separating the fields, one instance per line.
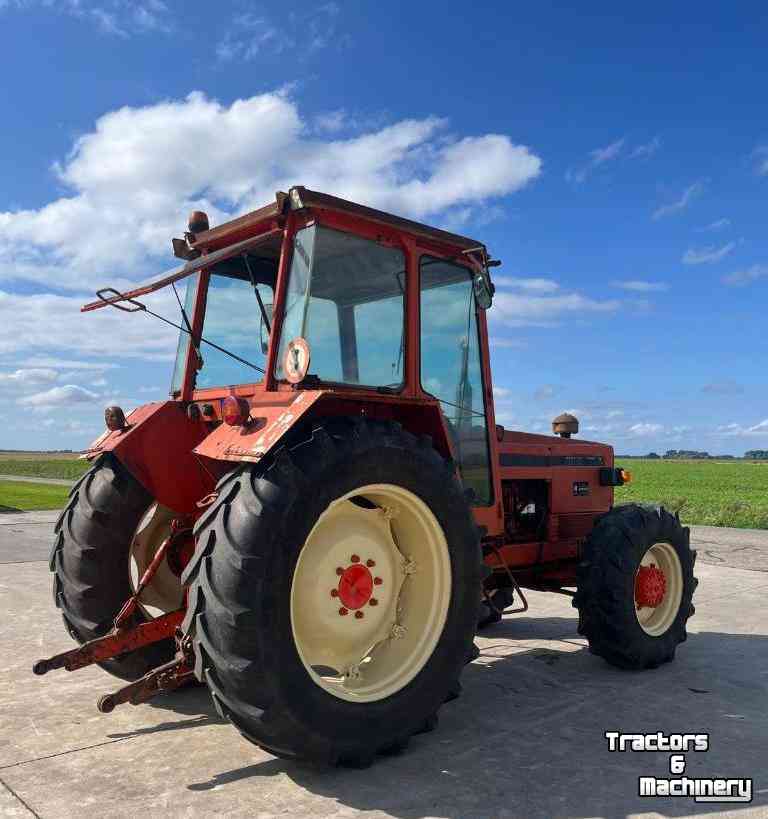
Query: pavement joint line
x=16, y=796
x=8, y=562
x=64, y=753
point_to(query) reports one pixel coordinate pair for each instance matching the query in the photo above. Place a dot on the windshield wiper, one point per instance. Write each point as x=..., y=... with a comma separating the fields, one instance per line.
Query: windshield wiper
x=140, y=306
x=258, y=295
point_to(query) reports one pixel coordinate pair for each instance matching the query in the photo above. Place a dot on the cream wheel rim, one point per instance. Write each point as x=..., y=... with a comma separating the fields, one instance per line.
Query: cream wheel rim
x=658, y=589
x=164, y=592
x=370, y=593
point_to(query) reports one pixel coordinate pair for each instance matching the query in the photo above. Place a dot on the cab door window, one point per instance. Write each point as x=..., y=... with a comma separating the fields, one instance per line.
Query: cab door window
x=451, y=367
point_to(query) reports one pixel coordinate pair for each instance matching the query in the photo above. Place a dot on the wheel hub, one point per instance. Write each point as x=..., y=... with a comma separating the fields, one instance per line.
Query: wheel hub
x=355, y=587
x=658, y=589
x=650, y=586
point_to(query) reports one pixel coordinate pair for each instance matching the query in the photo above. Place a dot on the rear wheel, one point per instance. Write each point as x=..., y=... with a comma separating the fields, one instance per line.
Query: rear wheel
x=333, y=593
x=635, y=586
x=91, y=561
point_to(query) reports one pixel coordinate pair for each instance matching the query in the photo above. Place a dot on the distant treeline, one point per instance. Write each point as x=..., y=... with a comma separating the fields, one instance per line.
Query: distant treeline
x=696, y=455
x=36, y=452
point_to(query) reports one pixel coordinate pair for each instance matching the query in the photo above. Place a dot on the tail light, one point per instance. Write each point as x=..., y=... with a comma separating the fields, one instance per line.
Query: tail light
x=235, y=411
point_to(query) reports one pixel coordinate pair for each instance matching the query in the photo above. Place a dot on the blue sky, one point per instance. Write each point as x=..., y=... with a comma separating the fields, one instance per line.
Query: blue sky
x=615, y=159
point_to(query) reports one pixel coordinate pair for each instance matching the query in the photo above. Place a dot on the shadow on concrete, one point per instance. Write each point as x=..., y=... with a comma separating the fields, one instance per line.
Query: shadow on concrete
x=193, y=700
x=527, y=736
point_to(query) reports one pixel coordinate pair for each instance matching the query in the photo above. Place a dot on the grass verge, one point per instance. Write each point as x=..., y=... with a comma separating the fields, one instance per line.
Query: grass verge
x=70, y=469
x=17, y=496
x=709, y=493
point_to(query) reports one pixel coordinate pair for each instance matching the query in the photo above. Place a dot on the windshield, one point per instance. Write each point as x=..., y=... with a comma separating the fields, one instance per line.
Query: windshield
x=346, y=298
x=184, y=339
x=233, y=322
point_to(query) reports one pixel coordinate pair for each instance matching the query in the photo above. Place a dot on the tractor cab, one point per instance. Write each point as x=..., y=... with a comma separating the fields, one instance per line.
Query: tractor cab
x=319, y=294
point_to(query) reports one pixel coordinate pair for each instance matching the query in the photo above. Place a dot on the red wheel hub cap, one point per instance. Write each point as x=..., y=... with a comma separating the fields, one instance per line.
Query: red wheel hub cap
x=355, y=586
x=650, y=586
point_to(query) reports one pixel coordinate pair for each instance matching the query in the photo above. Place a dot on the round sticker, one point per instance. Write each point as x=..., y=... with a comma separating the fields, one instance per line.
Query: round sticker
x=296, y=360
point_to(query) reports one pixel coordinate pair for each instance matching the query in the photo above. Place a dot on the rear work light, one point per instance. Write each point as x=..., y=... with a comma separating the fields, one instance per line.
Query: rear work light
x=614, y=477
x=235, y=411
x=114, y=419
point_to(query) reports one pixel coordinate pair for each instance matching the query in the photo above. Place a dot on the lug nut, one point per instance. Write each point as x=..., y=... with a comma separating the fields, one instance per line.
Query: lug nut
x=343, y=612
x=355, y=559
x=334, y=592
x=373, y=602
x=370, y=563
x=359, y=615
x=377, y=581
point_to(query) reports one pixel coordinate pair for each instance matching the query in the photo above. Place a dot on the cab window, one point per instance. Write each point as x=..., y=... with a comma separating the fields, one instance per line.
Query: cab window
x=451, y=367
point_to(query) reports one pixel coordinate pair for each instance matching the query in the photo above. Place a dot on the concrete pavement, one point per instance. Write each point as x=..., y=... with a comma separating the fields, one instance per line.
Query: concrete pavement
x=30, y=479
x=525, y=739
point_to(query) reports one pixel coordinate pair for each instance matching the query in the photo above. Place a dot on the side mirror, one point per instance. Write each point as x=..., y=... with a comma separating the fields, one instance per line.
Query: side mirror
x=263, y=331
x=483, y=291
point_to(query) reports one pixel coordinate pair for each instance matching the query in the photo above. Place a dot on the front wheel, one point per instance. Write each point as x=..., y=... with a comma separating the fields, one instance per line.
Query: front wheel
x=635, y=586
x=333, y=593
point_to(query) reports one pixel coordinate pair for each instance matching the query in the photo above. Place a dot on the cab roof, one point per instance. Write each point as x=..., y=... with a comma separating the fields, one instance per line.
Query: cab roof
x=300, y=197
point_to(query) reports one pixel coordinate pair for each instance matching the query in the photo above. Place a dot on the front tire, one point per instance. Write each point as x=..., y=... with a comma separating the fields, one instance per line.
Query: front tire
x=90, y=561
x=635, y=586
x=282, y=589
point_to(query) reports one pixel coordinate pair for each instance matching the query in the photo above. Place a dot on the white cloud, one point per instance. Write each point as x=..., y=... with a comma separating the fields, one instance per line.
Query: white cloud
x=760, y=155
x=118, y=17
x=131, y=181
x=689, y=194
x=298, y=33
x=523, y=309
x=46, y=361
x=737, y=430
x=50, y=321
x=718, y=224
x=707, y=255
x=134, y=178
x=646, y=150
x=530, y=285
x=644, y=429
x=597, y=157
x=638, y=286
x=331, y=122
x=28, y=376
x=751, y=274
x=545, y=392
x=59, y=396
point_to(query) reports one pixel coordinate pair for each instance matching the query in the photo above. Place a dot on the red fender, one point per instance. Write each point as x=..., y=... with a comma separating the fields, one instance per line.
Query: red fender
x=156, y=447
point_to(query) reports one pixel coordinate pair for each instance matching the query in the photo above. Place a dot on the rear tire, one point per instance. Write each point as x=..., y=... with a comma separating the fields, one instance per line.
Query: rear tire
x=626, y=634
x=247, y=635
x=90, y=561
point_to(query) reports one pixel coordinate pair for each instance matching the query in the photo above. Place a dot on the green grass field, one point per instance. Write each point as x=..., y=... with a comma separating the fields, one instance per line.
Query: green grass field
x=43, y=466
x=16, y=496
x=714, y=493
x=711, y=493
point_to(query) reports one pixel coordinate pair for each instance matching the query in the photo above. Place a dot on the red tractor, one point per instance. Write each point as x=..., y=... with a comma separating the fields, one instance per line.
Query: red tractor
x=317, y=521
